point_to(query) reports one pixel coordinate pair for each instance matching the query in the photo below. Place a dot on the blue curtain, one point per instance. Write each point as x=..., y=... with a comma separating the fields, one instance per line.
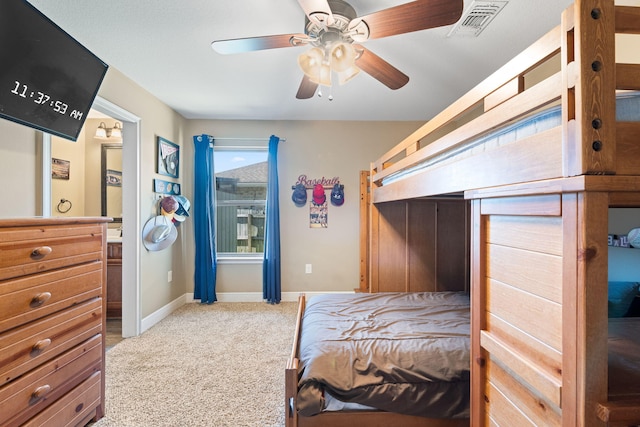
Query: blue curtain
x=271, y=265
x=204, y=220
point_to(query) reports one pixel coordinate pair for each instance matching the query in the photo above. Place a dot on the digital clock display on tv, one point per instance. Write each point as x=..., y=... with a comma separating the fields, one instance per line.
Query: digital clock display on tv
x=48, y=80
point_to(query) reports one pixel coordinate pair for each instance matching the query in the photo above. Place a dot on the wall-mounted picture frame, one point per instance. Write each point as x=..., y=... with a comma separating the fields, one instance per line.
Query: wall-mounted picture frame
x=168, y=158
x=60, y=168
x=166, y=187
x=113, y=178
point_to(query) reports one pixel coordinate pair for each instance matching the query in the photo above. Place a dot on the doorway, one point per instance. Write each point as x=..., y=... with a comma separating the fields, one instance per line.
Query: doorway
x=131, y=318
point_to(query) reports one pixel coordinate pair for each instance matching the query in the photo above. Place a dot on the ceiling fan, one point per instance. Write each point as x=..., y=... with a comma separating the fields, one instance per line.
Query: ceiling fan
x=335, y=33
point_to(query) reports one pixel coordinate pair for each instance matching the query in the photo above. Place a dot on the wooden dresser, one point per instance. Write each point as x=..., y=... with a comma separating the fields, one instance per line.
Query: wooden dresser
x=52, y=321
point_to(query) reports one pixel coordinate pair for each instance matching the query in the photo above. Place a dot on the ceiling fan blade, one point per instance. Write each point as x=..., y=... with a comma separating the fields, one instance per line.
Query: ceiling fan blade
x=380, y=69
x=307, y=88
x=251, y=44
x=317, y=10
x=413, y=16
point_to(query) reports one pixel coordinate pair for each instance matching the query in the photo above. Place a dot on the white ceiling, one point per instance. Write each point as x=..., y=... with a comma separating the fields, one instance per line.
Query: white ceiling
x=165, y=46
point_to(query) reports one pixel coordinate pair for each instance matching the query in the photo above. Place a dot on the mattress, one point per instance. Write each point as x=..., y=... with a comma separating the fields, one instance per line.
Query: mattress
x=398, y=352
x=627, y=109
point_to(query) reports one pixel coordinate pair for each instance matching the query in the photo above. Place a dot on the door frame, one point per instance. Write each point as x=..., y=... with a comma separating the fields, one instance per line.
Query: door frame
x=131, y=246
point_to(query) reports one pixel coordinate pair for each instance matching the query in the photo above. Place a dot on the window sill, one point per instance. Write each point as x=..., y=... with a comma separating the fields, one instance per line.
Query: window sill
x=240, y=259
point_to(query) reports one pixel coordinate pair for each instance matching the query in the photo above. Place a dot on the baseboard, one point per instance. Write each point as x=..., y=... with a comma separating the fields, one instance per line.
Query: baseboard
x=163, y=312
x=257, y=296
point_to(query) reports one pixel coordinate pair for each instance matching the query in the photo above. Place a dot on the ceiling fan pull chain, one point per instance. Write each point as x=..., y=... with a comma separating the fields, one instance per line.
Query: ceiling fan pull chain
x=331, y=93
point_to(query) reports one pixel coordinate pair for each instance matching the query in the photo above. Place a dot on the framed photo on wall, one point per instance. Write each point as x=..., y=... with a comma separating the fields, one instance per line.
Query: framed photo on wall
x=168, y=158
x=60, y=168
x=113, y=178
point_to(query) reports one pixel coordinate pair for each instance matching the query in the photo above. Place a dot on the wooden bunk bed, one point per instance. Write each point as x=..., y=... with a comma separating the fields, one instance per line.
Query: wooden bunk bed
x=538, y=153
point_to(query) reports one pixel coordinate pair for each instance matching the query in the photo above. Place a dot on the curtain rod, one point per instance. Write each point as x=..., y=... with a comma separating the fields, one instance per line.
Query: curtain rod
x=244, y=139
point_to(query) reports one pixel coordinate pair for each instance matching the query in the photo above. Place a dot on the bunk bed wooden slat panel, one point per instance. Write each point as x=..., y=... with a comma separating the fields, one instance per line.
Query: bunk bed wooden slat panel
x=628, y=76
x=391, y=258
x=415, y=232
x=527, y=233
x=503, y=93
x=537, y=205
x=527, y=370
x=545, y=280
x=627, y=20
x=452, y=250
x=536, y=411
x=422, y=258
x=548, y=359
x=628, y=148
x=518, y=308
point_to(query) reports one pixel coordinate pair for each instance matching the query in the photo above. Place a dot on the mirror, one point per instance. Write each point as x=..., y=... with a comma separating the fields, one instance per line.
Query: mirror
x=111, y=184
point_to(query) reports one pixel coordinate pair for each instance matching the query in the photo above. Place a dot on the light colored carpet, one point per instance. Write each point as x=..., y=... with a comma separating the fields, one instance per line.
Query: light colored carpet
x=204, y=365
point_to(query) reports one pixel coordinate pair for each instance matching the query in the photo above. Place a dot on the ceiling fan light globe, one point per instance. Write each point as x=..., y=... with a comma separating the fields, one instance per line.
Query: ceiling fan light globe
x=310, y=62
x=324, y=77
x=342, y=57
x=348, y=74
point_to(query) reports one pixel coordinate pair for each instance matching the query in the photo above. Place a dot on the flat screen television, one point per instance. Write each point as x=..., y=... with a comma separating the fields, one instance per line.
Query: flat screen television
x=48, y=80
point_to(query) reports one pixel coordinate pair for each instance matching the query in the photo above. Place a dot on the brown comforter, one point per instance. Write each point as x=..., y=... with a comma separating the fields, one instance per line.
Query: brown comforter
x=397, y=352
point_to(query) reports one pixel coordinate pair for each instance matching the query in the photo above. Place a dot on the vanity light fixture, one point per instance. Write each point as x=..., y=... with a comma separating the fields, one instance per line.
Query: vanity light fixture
x=103, y=132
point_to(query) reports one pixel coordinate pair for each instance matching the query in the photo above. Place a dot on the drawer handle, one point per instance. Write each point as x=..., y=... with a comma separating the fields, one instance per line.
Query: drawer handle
x=41, y=345
x=41, y=252
x=40, y=299
x=40, y=392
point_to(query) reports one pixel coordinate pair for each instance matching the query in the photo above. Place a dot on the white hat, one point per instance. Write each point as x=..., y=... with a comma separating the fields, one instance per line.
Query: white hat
x=159, y=233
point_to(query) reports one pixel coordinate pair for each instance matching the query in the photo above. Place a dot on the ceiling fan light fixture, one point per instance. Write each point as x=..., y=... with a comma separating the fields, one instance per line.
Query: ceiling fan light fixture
x=323, y=77
x=348, y=74
x=310, y=62
x=342, y=57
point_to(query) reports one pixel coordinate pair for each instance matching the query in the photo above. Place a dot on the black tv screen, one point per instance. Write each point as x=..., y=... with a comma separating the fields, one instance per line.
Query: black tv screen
x=48, y=80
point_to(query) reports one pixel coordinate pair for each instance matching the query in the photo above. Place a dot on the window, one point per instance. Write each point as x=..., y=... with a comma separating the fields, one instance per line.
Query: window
x=241, y=192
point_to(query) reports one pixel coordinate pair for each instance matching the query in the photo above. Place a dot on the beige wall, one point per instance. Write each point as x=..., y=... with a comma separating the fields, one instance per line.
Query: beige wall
x=20, y=171
x=72, y=189
x=316, y=149
x=156, y=119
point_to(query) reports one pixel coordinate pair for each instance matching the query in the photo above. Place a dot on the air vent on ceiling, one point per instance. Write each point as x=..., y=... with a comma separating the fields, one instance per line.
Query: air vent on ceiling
x=476, y=18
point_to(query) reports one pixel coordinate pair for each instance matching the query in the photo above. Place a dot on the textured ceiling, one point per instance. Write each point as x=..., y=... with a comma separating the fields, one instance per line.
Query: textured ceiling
x=165, y=46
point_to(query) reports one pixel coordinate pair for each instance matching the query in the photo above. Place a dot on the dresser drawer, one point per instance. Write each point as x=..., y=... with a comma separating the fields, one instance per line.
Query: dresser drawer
x=26, y=299
x=37, y=342
x=28, y=250
x=75, y=408
x=34, y=391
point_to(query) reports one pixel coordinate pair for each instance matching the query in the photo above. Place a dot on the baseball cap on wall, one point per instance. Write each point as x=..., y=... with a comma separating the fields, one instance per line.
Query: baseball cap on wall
x=318, y=194
x=337, y=195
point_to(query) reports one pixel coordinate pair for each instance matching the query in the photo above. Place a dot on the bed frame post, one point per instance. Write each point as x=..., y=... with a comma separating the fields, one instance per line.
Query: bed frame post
x=291, y=372
x=478, y=320
x=588, y=90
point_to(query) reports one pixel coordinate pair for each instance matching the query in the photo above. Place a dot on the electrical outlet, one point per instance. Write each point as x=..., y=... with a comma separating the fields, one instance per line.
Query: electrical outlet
x=307, y=268
x=170, y=276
